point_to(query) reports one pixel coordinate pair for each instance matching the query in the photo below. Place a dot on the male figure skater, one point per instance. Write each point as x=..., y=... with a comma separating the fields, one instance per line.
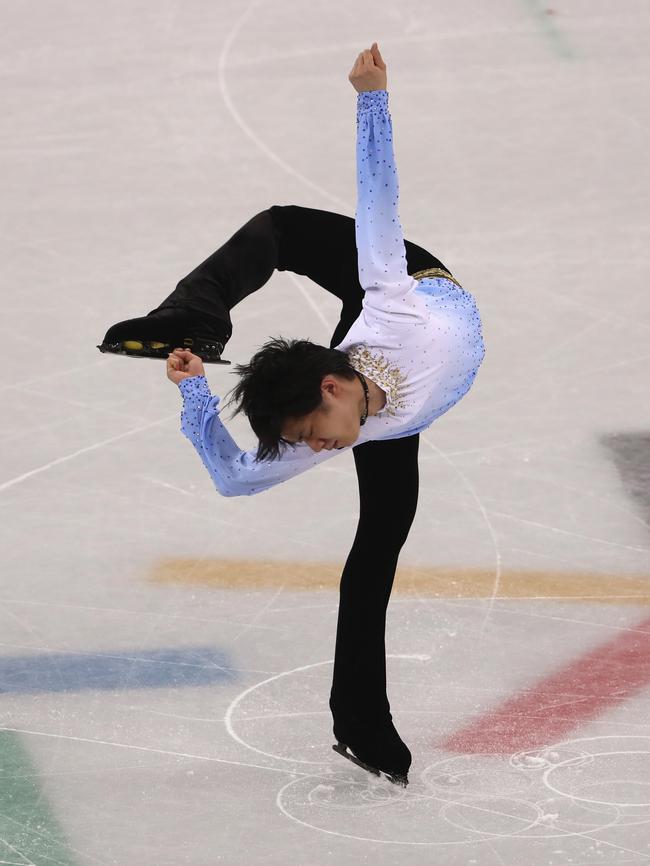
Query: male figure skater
x=406, y=349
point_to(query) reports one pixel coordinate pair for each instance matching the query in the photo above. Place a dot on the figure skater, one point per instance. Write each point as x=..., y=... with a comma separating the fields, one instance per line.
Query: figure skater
x=406, y=349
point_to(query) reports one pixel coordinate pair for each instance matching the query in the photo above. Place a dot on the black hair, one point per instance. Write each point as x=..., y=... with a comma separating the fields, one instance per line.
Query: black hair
x=282, y=381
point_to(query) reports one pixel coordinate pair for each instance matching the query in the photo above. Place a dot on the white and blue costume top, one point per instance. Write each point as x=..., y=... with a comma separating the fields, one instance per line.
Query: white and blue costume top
x=420, y=340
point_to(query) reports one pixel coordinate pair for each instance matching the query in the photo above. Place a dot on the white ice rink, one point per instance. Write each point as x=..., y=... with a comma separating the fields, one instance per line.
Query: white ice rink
x=166, y=653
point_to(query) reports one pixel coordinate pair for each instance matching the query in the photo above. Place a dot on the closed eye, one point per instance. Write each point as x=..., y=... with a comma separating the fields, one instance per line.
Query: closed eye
x=294, y=442
x=299, y=440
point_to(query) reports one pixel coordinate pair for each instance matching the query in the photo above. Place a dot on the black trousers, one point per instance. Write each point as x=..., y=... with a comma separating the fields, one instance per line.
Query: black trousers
x=322, y=246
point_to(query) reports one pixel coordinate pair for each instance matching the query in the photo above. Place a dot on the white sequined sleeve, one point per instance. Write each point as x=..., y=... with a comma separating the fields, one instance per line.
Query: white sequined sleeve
x=380, y=243
x=233, y=471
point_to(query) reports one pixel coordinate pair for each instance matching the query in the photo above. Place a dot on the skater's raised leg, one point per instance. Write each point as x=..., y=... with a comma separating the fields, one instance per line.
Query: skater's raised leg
x=241, y=266
x=196, y=314
x=316, y=243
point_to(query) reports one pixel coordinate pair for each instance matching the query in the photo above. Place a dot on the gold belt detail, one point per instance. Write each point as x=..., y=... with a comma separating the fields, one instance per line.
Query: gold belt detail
x=435, y=272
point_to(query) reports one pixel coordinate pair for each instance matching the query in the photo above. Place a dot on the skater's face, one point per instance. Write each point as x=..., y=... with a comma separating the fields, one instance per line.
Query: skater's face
x=336, y=422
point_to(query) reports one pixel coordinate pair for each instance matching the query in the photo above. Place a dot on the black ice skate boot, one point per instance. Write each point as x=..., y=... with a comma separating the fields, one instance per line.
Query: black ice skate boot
x=167, y=328
x=376, y=747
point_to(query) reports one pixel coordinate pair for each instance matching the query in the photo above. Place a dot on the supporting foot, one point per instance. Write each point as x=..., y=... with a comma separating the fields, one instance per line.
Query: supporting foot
x=395, y=778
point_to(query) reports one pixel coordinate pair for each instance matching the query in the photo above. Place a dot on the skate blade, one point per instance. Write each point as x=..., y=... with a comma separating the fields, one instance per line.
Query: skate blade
x=154, y=349
x=395, y=778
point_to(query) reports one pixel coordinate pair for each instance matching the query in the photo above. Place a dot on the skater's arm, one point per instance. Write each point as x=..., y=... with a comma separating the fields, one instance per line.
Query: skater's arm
x=380, y=243
x=233, y=471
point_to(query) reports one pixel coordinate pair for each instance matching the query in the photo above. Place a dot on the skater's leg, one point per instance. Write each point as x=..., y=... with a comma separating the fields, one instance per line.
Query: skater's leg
x=197, y=312
x=306, y=241
x=315, y=243
x=322, y=245
x=388, y=477
x=243, y=264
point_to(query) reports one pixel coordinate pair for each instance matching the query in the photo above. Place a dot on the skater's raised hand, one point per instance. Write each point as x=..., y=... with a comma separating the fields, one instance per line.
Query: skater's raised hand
x=181, y=364
x=369, y=71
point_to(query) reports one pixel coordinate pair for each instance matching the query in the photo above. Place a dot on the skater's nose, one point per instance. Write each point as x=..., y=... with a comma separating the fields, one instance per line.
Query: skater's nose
x=318, y=444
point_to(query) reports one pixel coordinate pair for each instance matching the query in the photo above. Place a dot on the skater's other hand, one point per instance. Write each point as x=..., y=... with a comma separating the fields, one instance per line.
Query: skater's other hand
x=181, y=364
x=369, y=71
